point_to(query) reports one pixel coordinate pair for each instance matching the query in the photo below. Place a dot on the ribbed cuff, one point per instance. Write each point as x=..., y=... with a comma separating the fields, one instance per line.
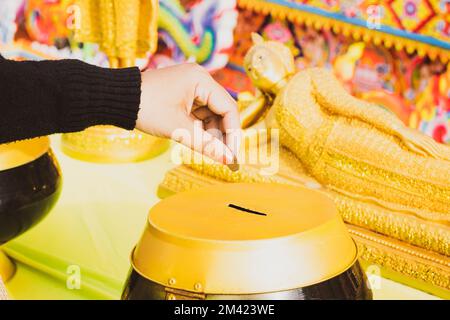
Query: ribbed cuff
x=98, y=96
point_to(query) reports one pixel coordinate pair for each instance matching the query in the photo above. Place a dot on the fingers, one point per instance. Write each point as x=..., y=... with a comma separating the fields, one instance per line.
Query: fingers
x=214, y=126
x=204, y=142
x=212, y=147
x=211, y=94
x=233, y=132
x=219, y=101
x=203, y=113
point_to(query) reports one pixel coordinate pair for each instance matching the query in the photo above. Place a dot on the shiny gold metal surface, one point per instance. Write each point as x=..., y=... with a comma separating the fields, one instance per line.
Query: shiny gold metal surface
x=18, y=153
x=109, y=144
x=374, y=229
x=244, y=239
x=402, y=262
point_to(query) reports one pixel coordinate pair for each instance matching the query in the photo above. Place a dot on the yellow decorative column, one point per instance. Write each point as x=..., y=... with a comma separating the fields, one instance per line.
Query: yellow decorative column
x=125, y=30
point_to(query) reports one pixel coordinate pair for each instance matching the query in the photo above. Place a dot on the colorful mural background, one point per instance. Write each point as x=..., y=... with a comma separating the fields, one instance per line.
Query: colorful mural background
x=412, y=85
x=200, y=31
x=430, y=18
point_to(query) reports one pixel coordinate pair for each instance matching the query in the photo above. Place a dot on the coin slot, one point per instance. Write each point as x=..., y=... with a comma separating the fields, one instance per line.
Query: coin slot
x=233, y=206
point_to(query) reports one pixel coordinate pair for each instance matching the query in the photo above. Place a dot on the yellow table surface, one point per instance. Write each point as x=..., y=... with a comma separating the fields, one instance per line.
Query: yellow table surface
x=93, y=228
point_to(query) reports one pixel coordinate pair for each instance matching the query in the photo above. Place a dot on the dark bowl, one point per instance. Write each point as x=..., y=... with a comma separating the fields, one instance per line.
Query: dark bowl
x=27, y=193
x=349, y=285
x=246, y=241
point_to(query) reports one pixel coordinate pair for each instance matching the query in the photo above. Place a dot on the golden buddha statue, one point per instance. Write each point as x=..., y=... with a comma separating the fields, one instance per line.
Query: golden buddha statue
x=347, y=144
x=30, y=184
x=352, y=147
x=390, y=183
x=125, y=30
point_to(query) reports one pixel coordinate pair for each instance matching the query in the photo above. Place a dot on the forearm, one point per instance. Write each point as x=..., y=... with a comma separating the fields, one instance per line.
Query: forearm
x=41, y=98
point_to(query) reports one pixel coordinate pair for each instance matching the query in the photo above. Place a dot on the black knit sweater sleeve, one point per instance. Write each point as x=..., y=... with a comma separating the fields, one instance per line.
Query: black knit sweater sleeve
x=45, y=97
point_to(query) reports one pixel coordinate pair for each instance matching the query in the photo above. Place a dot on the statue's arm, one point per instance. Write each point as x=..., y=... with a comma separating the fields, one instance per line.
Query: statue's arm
x=253, y=111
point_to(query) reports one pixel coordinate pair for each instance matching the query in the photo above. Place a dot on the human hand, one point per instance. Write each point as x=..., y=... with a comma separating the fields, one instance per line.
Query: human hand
x=186, y=104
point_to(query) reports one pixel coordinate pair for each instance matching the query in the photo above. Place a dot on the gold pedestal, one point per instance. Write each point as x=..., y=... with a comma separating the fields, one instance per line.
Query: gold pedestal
x=109, y=144
x=7, y=267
